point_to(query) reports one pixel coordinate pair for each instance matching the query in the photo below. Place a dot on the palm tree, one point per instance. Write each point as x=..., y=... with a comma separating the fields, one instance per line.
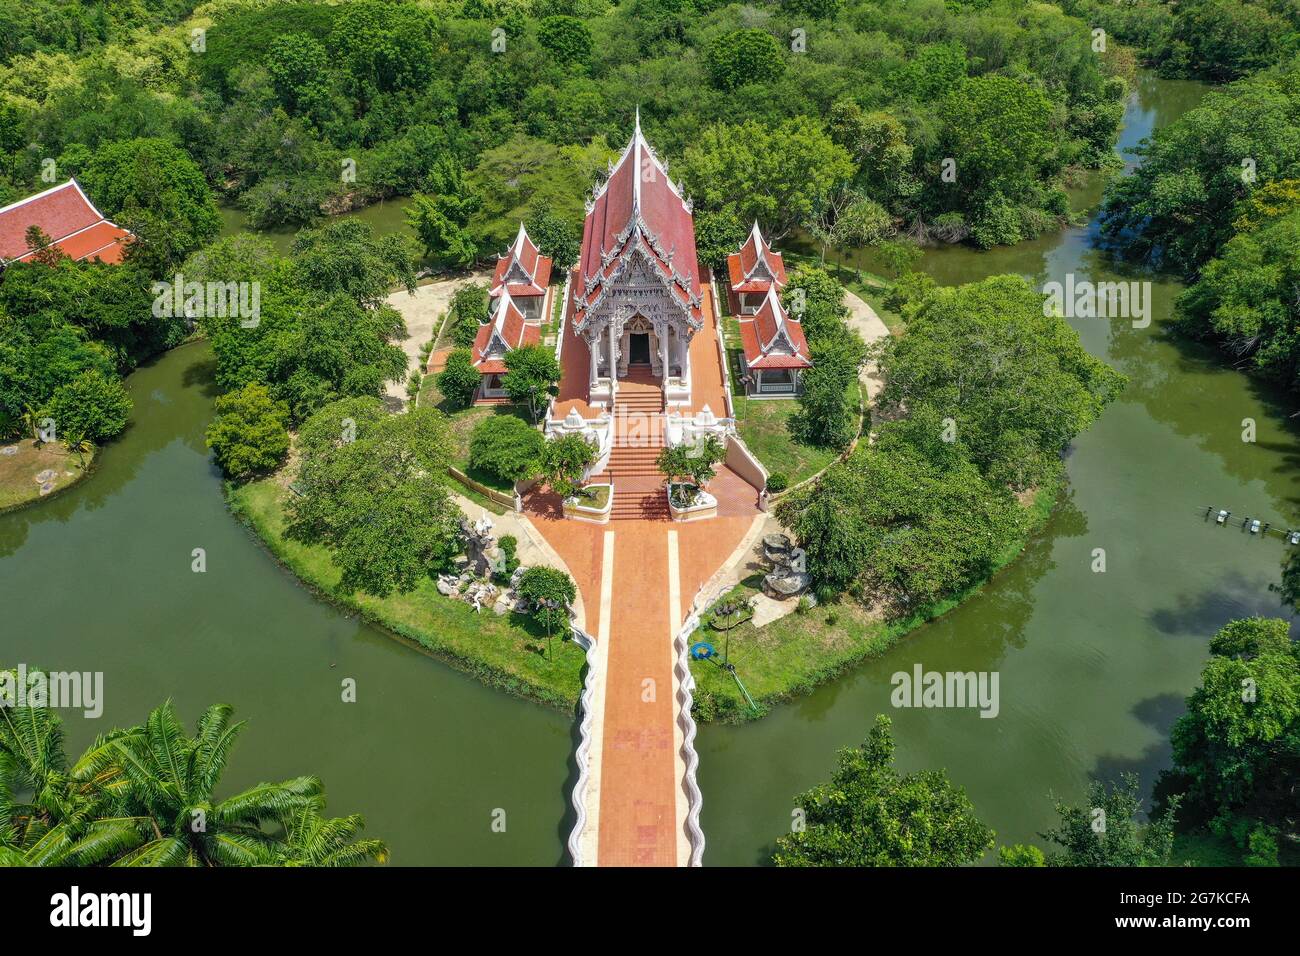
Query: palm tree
x=167, y=779
x=143, y=797
x=80, y=445
x=312, y=840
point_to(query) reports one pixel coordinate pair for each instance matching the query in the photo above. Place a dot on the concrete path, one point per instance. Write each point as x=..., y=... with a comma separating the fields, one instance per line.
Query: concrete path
x=642, y=576
x=863, y=319
x=422, y=312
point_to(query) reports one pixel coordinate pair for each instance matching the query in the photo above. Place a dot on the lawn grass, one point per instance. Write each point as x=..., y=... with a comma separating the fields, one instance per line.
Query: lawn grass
x=505, y=652
x=791, y=656
x=462, y=422
x=18, y=485
x=763, y=426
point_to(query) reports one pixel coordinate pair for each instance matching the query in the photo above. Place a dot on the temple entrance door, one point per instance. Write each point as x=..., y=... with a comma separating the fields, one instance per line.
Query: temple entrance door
x=639, y=348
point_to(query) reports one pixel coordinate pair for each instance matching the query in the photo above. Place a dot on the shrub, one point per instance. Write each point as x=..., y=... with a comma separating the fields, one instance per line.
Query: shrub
x=506, y=447
x=550, y=592
x=469, y=309
x=459, y=380
x=93, y=405
x=250, y=433
x=565, y=461
x=777, y=482
x=509, y=561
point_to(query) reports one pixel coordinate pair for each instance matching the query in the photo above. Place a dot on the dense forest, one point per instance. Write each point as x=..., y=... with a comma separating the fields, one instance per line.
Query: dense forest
x=794, y=112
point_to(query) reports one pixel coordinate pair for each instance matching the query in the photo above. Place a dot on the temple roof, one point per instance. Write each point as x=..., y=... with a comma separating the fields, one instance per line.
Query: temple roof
x=638, y=207
x=524, y=262
x=755, y=266
x=771, y=338
x=506, y=330
x=75, y=226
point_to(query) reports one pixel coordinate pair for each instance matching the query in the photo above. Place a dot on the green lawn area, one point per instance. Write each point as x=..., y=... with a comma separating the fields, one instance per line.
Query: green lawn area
x=463, y=421
x=504, y=652
x=791, y=656
x=18, y=484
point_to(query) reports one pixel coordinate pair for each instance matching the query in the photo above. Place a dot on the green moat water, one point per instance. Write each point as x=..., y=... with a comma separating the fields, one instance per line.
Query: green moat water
x=1093, y=667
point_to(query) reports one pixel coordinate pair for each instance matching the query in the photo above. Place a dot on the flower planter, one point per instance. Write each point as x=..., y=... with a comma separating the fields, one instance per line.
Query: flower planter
x=705, y=506
x=585, y=509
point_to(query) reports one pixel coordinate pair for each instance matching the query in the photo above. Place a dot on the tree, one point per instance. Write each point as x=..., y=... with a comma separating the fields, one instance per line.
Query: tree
x=779, y=175
x=157, y=191
x=745, y=56
x=298, y=63
x=531, y=372
x=718, y=235
x=380, y=504
x=903, y=522
x=869, y=815
x=565, y=461
x=345, y=256
x=1000, y=132
x=1016, y=384
x=900, y=256
x=1104, y=831
x=93, y=405
x=568, y=39
x=1021, y=854
x=168, y=782
x=1245, y=299
x=312, y=840
x=434, y=219
x=556, y=237
x=828, y=414
x=1179, y=205
x=250, y=433
x=692, y=465
x=459, y=379
x=1236, y=751
x=550, y=593
x=469, y=310
x=506, y=447
x=816, y=299
x=144, y=796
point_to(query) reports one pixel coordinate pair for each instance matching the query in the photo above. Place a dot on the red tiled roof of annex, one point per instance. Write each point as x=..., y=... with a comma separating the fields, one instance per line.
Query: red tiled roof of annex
x=67, y=216
x=532, y=264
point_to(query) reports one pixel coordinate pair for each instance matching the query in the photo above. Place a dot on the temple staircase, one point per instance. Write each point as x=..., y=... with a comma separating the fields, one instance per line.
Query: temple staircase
x=638, y=440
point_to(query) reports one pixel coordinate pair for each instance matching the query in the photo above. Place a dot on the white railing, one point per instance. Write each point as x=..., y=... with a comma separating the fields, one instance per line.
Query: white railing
x=582, y=756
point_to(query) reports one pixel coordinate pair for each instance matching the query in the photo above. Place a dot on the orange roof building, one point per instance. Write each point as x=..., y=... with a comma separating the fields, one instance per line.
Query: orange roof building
x=508, y=329
x=636, y=293
x=523, y=273
x=75, y=227
x=775, y=349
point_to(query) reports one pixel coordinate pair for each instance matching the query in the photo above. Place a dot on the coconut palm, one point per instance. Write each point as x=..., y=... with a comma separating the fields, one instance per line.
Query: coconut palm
x=80, y=446
x=159, y=774
x=313, y=840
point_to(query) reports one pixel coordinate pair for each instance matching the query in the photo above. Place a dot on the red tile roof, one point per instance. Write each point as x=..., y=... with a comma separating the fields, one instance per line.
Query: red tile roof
x=532, y=263
x=639, y=207
x=755, y=266
x=506, y=330
x=69, y=218
x=772, y=339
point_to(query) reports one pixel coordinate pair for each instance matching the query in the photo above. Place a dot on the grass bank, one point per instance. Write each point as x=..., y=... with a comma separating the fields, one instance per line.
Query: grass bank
x=19, y=469
x=507, y=652
x=791, y=656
